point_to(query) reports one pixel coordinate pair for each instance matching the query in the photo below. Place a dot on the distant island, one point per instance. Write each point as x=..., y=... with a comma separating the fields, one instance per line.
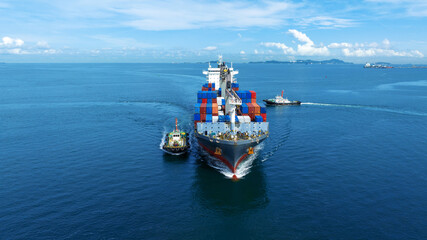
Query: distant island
x=331, y=61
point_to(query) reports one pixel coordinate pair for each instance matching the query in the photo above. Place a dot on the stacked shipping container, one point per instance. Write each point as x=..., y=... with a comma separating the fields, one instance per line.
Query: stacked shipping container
x=250, y=107
x=210, y=106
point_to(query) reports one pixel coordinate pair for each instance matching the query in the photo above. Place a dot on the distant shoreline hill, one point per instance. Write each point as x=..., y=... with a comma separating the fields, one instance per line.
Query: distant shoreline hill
x=331, y=61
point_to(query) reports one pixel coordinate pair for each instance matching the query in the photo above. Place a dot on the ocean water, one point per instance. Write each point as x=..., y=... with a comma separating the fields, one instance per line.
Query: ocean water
x=80, y=157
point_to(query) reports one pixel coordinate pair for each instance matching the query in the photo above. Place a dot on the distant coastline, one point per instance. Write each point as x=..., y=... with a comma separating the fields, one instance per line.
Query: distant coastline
x=331, y=61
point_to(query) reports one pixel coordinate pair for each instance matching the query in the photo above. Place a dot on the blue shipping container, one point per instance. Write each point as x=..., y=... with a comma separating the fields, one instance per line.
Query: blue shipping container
x=209, y=100
x=204, y=94
x=213, y=85
x=227, y=118
x=258, y=118
x=240, y=94
x=196, y=117
x=244, y=108
x=199, y=100
x=262, y=108
x=223, y=101
x=209, y=110
x=208, y=117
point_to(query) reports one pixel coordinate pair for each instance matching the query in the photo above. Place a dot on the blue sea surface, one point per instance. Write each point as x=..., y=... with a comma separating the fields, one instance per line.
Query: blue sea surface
x=80, y=155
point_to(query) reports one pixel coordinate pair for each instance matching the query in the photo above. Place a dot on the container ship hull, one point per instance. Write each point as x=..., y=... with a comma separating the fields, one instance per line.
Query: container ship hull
x=231, y=153
x=228, y=122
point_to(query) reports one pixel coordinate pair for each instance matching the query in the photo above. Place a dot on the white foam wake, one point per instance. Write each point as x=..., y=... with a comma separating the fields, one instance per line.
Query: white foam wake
x=371, y=108
x=242, y=170
x=162, y=142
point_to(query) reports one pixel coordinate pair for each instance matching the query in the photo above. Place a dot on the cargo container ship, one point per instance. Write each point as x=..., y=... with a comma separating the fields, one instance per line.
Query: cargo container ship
x=228, y=122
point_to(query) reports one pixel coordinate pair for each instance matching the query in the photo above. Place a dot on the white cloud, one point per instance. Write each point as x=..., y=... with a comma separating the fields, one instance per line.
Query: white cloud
x=373, y=49
x=302, y=37
x=50, y=51
x=386, y=43
x=286, y=49
x=210, y=48
x=181, y=15
x=42, y=44
x=256, y=51
x=11, y=42
x=371, y=52
x=326, y=22
x=308, y=48
x=242, y=52
x=412, y=8
x=14, y=51
x=16, y=46
x=340, y=45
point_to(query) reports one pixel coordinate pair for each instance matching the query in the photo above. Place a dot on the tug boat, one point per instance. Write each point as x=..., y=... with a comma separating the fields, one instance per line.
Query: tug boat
x=176, y=142
x=279, y=100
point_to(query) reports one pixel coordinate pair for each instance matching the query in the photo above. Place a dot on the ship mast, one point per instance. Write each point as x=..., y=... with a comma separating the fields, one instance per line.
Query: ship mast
x=232, y=100
x=176, y=124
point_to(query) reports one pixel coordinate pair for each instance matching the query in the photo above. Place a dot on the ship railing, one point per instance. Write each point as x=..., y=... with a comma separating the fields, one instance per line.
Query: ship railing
x=253, y=128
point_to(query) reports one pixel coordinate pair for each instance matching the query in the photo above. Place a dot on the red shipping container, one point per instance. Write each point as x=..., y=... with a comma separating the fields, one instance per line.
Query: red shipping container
x=204, y=88
x=253, y=94
x=214, y=109
x=213, y=89
x=214, y=100
x=203, y=117
x=209, y=85
x=236, y=89
x=250, y=108
x=203, y=109
x=264, y=116
x=252, y=115
x=204, y=100
x=253, y=100
x=257, y=109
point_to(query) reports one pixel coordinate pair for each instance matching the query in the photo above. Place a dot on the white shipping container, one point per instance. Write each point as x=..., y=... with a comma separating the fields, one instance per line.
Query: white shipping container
x=214, y=119
x=247, y=119
x=241, y=119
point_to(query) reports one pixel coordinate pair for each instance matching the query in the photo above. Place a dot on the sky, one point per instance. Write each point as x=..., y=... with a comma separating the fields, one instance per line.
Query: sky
x=360, y=31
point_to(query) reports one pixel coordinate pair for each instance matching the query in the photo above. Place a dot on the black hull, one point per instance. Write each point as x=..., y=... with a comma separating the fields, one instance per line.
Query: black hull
x=232, y=153
x=271, y=103
x=176, y=151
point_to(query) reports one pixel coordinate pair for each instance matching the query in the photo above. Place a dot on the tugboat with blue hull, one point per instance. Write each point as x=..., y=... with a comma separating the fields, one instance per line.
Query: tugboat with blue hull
x=228, y=123
x=279, y=100
x=176, y=142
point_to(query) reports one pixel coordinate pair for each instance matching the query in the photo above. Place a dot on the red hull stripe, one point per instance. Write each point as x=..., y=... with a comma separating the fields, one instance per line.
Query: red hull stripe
x=225, y=161
x=240, y=160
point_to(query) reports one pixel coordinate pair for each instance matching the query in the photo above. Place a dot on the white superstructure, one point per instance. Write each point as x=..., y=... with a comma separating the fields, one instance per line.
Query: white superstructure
x=213, y=73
